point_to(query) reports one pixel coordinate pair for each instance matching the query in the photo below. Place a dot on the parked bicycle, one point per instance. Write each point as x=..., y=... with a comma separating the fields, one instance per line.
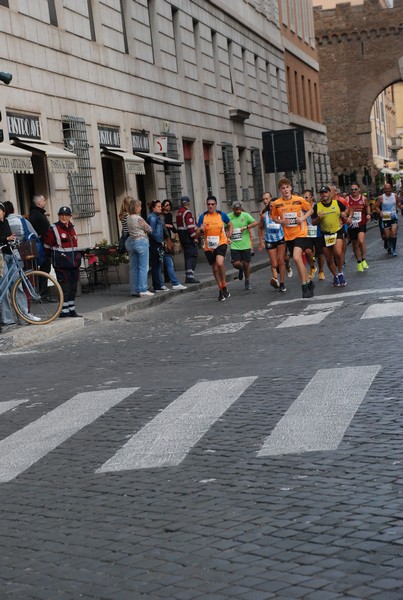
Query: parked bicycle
x=26, y=298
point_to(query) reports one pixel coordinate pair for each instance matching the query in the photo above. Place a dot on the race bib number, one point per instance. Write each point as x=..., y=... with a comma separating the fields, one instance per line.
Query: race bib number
x=292, y=219
x=274, y=227
x=212, y=241
x=237, y=235
x=386, y=216
x=330, y=239
x=312, y=231
x=356, y=218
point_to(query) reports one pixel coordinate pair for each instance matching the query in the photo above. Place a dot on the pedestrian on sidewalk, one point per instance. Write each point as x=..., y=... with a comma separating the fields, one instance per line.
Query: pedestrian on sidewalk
x=186, y=226
x=156, y=249
x=41, y=224
x=137, y=245
x=61, y=243
x=168, y=247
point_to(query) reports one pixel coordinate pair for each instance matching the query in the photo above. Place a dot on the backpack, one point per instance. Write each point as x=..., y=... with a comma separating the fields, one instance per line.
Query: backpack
x=32, y=245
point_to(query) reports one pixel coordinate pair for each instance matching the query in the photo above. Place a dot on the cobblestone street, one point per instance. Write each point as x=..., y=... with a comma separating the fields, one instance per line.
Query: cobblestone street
x=154, y=457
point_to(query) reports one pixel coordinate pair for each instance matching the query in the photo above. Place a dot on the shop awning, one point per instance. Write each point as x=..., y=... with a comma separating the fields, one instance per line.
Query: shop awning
x=133, y=164
x=14, y=160
x=59, y=160
x=159, y=159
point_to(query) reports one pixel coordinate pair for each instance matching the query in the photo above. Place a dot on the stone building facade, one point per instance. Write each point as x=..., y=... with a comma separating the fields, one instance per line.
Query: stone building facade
x=147, y=98
x=302, y=76
x=360, y=55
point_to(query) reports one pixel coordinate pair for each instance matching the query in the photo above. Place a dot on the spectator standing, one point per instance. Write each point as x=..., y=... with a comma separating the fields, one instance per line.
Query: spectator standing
x=169, y=232
x=137, y=245
x=41, y=224
x=6, y=235
x=186, y=227
x=61, y=245
x=156, y=248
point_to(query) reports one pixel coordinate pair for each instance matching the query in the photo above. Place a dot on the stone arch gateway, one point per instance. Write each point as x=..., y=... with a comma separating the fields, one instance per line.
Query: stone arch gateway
x=360, y=52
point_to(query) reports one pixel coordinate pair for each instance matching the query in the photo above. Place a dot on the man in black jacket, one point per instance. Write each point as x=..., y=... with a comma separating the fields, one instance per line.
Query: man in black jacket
x=40, y=222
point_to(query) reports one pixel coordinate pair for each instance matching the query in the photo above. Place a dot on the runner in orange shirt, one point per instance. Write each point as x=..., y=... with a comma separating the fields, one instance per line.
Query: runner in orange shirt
x=216, y=228
x=292, y=212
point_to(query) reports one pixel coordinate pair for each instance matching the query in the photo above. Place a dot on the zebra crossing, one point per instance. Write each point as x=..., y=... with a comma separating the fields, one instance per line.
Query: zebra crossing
x=311, y=313
x=317, y=420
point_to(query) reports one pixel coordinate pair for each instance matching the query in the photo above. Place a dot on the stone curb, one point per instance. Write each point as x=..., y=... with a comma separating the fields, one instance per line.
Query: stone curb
x=23, y=337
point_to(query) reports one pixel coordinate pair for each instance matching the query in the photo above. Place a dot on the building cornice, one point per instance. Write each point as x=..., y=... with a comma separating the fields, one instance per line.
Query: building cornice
x=300, y=54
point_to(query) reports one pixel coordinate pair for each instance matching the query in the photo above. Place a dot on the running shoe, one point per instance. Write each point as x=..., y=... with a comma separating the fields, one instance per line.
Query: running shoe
x=394, y=253
x=364, y=264
x=342, y=281
x=226, y=293
x=336, y=281
x=321, y=275
x=305, y=291
x=221, y=297
x=389, y=251
x=360, y=267
x=247, y=285
x=311, y=287
x=240, y=274
x=289, y=271
x=274, y=283
x=282, y=288
x=312, y=271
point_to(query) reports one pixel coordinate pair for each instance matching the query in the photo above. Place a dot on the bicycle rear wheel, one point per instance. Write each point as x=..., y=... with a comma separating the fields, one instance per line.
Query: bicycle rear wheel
x=27, y=300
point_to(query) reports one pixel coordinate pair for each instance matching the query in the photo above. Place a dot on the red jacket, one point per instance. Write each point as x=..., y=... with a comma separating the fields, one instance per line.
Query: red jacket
x=185, y=223
x=60, y=244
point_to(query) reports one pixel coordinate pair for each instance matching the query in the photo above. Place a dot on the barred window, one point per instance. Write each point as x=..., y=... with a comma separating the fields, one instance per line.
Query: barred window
x=80, y=183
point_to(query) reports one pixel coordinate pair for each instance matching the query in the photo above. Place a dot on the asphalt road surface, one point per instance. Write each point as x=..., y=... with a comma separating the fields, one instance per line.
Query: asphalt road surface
x=210, y=450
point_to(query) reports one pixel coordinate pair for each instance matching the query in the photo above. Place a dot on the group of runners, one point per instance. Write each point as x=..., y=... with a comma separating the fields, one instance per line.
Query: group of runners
x=298, y=227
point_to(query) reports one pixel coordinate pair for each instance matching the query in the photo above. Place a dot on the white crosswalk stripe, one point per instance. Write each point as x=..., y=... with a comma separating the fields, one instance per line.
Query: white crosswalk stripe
x=317, y=420
x=168, y=438
x=311, y=315
x=387, y=309
x=220, y=329
x=25, y=447
x=319, y=417
x=10, y=404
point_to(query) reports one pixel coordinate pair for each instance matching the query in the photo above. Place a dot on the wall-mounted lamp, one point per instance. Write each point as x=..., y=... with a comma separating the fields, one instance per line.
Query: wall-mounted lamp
x=5, y=77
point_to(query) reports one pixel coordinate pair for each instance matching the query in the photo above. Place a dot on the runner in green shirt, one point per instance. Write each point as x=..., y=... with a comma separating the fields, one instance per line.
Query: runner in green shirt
x=241, y=244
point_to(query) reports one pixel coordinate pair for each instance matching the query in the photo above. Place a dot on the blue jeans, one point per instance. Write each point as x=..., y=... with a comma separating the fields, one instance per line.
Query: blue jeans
x=170, y=267
x=7, y=314
x=138, y=262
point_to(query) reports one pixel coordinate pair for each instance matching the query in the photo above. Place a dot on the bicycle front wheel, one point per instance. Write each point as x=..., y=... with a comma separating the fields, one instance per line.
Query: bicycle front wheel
x=28, y=297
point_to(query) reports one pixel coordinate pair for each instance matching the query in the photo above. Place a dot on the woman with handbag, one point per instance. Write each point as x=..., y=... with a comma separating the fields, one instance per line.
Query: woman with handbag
x=137, y=245
x=168, y=245
x=123, y=215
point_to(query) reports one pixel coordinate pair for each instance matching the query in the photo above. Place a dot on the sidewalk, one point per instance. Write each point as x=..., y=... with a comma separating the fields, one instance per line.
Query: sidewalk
x=113, y=303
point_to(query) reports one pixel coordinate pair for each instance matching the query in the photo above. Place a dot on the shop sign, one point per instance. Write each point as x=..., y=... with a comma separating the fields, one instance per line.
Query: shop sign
x=109, y=136
x=15, y=164
x=140, y=141
x=26, y=126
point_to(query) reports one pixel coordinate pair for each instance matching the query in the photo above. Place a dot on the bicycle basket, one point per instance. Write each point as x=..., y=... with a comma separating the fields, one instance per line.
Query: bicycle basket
x=28, y=250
